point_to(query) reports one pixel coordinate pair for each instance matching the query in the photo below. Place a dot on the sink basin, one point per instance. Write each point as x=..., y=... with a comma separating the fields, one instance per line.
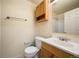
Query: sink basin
x=61, y=43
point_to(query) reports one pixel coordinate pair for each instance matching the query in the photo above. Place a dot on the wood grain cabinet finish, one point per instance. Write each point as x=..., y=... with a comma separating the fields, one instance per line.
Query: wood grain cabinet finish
x=48, y=51
x=40, y=9
x=41, y=12
x=45, y=53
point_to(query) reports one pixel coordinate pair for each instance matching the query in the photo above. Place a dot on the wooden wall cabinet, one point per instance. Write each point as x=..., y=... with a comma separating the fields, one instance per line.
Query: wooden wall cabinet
x=48, y=51
x=40, y=9
x=41, y=12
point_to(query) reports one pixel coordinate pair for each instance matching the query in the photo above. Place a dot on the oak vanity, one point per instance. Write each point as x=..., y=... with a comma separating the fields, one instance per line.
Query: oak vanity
x=49, y=51
x=56, y=48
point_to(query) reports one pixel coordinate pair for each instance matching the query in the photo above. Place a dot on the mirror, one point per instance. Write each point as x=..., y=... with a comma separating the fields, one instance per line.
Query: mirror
x=66, y=16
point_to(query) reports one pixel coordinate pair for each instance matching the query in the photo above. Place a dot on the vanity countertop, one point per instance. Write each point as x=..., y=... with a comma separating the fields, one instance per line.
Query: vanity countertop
x=69, y=47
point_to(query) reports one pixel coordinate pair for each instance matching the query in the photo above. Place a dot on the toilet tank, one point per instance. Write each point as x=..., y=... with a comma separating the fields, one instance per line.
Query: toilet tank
x=38, y=43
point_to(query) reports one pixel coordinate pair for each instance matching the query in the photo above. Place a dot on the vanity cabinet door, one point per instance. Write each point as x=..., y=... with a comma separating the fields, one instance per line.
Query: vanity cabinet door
x=45, y=54
x=48, y=51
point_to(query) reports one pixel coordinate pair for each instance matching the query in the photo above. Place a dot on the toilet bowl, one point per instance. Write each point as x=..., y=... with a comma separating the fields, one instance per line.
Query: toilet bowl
x=32, y=51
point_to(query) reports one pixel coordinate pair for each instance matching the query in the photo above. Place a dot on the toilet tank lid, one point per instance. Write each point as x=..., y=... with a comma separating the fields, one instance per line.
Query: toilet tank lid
x=31, y=49
x=39, y=38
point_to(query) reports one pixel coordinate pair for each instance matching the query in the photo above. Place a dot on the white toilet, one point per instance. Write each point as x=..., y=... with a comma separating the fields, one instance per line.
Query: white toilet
x=32, y=51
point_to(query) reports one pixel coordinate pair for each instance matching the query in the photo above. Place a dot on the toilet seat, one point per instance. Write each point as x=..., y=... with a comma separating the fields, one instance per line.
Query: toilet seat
x=31, y=51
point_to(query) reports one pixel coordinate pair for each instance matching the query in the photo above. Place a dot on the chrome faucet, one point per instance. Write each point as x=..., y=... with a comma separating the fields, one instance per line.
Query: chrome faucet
x=64, y=39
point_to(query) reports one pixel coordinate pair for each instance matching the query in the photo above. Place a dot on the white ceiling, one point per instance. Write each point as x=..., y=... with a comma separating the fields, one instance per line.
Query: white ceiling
x=65, y=5
x=36, y=1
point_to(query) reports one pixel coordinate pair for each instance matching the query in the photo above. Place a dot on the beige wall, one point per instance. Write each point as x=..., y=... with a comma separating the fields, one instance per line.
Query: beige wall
x=45, y=28
x=15, y=33
x=0, y=28
x=72, y=21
